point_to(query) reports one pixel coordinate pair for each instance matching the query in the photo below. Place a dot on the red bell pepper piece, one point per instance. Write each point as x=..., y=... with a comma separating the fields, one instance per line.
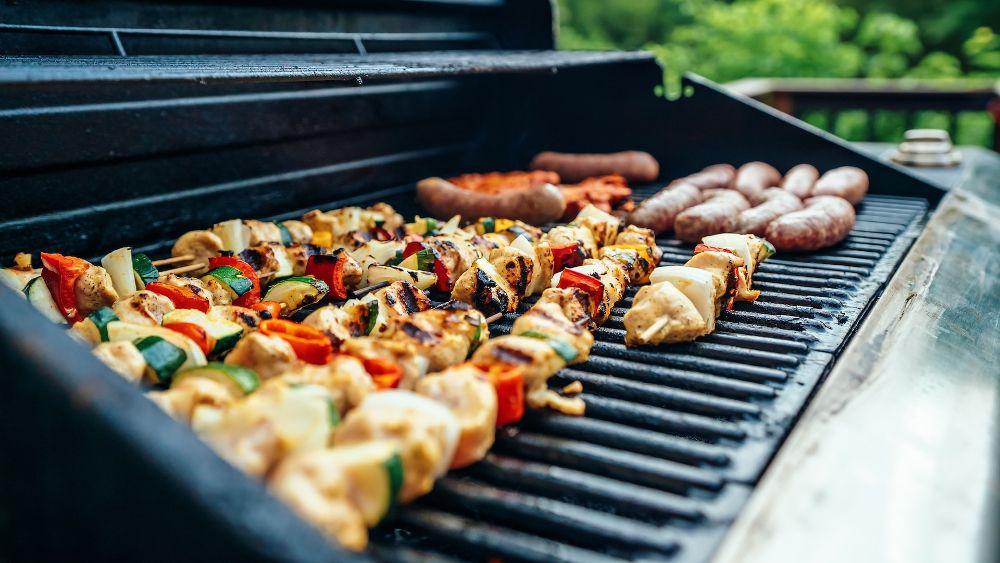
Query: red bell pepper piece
x=182, y=297
x=443, y=283
x=310, y=344
x=270, y=308
x=329, y=268
x=386, y=374
x=249, y=298
x=381, y=234
x=60, y=274
x=194, y=332
x=508, y=381
x=589, y=284
x=566, y=256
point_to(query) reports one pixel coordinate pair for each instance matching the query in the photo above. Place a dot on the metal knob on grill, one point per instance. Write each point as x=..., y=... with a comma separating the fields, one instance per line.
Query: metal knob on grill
x=926, y=147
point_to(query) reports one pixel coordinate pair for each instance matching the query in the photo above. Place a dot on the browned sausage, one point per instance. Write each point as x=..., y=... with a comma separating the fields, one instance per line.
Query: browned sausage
x=635, y=166
x=800, y=180
x=535, y=204
x=777, y=202
x=718, y=214
x=717, y=176
x=825, y=221
x=753, y=178
x=847, y=182
x=658, y=211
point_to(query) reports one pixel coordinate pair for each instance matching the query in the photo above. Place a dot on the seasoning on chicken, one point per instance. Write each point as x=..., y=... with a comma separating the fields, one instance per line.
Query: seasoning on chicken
x=94, y=290
x=143, y=308
x=574, y=303
x=515, y=266
x=246, y=318
x=342, y=323
x=123, y=358
x=661, y=313
x=426, y=430
x=401, y=298
x=443, y=336
x=546, y=320
x=455, y=252
x=320, y=492
x=539, y=360
x=483, y=287
x=269, y=356
x=470, y=396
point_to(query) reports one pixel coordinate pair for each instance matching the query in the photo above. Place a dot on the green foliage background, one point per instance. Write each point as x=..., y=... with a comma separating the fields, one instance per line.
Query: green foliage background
x=726, y=40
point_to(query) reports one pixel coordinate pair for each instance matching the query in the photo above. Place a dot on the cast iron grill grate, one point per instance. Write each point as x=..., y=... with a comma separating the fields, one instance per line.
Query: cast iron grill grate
x=675, y=437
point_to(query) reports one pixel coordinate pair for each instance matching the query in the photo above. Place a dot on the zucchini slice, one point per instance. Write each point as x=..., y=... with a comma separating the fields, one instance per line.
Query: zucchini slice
x=162, y=358
x=422, y=280
x=565, y=350
x=232, y=278
x=39, y=296
x=120, y=330
x=118, y=264
x=144, y=270
x=239, y=380
x=101, y=318
x=286, y=235
x=224, y=332
x=296, y=292
x=375, y=472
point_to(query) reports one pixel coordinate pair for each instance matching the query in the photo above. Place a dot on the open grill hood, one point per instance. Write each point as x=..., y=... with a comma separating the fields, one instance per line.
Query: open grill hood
x=178, y=127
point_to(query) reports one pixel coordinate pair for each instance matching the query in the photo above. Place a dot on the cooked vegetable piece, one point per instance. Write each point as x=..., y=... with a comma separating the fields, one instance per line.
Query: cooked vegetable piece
x=40, y=296
x=508, y=381
x=238, y=379
x=101, y=318
x=143, y=270
x=162, y=358
x=60, y=274
x=223, y=333
x=182, y=297
x=241, y=298
x=310, y=344
x=375, y=472
x=232, y=279
x=564, y=349
x=422, y=280
x=119, y=330
x=296, y=292
x=118, y=264
x=329, y=268
x=592, y=286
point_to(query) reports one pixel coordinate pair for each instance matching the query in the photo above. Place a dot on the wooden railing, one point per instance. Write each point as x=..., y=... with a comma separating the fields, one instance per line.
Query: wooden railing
x=803, y=97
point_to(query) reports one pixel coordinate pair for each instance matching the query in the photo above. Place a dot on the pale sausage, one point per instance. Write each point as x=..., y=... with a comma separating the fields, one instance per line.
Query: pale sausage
x=847, y=182
x=776, y=202
x=658, y=211
x=753, y=178
x=718, y=214
x=825, y=221
x=800, y=180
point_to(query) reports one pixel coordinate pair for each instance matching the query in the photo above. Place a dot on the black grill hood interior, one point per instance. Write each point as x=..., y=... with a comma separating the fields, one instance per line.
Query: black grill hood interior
x=131, y=122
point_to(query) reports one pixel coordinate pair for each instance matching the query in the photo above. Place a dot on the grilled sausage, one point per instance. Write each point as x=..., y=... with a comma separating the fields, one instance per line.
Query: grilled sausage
x=712, y=177
x=825, y=221
x=635, y=166
x=718, y=214
x=776, y=203
x=800, y=180
x=535, y=205
x=659, y=211
x=845, y=182
x=753, y=178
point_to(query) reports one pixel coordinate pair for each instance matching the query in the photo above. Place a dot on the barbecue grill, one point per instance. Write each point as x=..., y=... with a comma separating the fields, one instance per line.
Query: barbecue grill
x=135, y=122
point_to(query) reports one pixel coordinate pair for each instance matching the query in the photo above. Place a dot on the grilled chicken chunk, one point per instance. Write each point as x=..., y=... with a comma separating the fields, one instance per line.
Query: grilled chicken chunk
x=427, y=431
x=262, y=231
x=269, y=356
x=339, y=324
x=470, y=396
x=320, y=492
x=400, y=352
x=200, y=244
x=483, y=287
x=661, y=313
x=641, y=236
x=443, y=336
x=515, y=266
x=246, y=318
x=94, y=290
x=181, y=400
x=299, y=231
x=726, y=272
x=194, y=285
x=122, y=357
x=635, y=263
x=611, y=275
x=143, y=308
x=542, y=270
x=402, y=298
x=574, y=303
x=455, y=252
x=537, y=358
x=218, y=290
x=344, y=377
x=603, y=226
x=547, y=318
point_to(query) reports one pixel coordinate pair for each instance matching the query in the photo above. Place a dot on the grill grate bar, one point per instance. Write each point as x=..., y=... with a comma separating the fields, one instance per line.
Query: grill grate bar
x=559, y=482
x=609, y=462
x=655, y=395
x=679, y=378
x=656, y=418
x=628, y=438
x=686, y=361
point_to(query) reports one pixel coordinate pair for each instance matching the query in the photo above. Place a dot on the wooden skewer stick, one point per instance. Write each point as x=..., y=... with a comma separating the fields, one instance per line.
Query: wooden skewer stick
x=183, y=269
x=445, y=305
x=494, y=318
x=366, y=290
x=174, y=260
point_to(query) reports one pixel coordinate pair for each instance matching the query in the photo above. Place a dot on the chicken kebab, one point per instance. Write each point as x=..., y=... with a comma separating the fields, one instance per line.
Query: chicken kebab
x=683, y=302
